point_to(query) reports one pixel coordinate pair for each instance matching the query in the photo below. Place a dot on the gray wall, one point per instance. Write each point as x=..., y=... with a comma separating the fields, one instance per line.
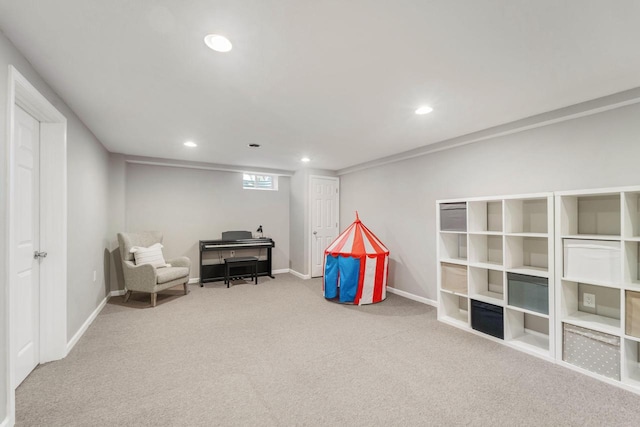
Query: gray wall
x=299, y=215
x=117, y=189
x=397, y=200
x=297, y=210
x=87, y=208
x=88, y=223
x=189, y=205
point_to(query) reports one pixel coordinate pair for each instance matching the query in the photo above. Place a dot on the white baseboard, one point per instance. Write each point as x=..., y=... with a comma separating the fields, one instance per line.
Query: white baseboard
x=6, y=422
x=300, y=275
x=194, y=280
x=74, y=340
x=413, y=297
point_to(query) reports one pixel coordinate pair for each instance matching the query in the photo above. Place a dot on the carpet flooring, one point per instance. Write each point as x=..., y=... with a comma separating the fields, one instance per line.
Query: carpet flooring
x=278, y=354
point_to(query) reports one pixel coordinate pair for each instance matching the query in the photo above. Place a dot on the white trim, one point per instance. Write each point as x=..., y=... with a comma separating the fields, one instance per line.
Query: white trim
x=583, y=109
x=74, y=340
x=300, y=275
x=152, y=161
x=281, y=271
x=7, y=422
x=53, y=285
x=10, y=392
x=413, y=297
x=310, y=214
x=192, y=281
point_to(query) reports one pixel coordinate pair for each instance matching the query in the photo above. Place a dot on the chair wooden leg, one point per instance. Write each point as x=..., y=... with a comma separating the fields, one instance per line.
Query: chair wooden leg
x=186, y=289
x=154, y=296
x=127, y=296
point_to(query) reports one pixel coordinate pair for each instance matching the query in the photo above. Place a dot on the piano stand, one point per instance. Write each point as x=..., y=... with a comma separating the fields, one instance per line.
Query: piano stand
x=245, y=261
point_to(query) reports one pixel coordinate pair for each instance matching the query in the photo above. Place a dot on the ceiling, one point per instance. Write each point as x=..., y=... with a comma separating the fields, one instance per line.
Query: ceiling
x=335, y=80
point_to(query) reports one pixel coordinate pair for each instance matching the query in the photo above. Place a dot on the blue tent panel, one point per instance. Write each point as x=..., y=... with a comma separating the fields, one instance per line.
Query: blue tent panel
x=330, y=277
x=349, y=272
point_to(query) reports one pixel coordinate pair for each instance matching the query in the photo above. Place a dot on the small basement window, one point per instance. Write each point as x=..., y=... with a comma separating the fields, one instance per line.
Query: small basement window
x=251, y=181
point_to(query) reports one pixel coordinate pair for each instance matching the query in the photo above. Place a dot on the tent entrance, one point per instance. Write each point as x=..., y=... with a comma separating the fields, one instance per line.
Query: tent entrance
x=341, y=278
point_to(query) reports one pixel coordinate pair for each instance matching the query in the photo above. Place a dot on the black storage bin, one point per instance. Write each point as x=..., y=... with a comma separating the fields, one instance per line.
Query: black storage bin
x=453, y=216
x=487, y=318
x=528, y=292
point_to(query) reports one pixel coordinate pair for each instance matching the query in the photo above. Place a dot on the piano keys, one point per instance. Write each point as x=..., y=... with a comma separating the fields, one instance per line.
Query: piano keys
x=232, y=241
x=211, y=245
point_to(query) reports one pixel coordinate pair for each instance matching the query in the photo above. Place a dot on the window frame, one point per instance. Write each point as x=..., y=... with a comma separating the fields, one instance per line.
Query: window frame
x=255, y=180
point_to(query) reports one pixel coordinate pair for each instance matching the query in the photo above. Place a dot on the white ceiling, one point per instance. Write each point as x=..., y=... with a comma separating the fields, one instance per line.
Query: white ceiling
x=337, y=80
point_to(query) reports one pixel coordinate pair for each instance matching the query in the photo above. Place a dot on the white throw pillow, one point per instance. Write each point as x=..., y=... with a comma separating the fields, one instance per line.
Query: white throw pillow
x=151, y=255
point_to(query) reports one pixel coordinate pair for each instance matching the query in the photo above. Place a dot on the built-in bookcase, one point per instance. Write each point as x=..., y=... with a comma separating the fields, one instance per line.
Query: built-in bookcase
x=502, y=238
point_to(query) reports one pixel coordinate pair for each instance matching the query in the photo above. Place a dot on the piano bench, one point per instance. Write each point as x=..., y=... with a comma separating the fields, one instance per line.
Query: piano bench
x=244, y=261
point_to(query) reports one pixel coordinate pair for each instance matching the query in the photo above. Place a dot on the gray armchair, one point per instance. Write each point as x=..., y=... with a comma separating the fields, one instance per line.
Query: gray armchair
x=147, y=278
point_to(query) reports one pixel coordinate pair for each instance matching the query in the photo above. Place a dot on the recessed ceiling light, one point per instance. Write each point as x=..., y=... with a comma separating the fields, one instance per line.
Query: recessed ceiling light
x=218, y=43
x=425, y=109
x=190, y=144
x=253, y=145
x=305, y=159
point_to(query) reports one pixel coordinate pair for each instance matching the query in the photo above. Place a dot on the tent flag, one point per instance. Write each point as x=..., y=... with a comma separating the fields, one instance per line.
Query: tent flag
x=356, y=266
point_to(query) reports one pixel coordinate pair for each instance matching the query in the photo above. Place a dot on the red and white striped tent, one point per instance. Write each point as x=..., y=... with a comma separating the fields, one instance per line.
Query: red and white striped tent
x=356, y=266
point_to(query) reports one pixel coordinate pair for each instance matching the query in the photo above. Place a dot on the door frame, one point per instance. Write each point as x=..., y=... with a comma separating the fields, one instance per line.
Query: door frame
x=53, y=224
x=310, y=217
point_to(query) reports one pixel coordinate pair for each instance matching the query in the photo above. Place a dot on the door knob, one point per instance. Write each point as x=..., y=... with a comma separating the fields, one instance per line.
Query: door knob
x=37, y=255
x=315, y=232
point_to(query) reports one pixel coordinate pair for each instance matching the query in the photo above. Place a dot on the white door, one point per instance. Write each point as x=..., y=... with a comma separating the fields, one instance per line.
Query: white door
x=324, y=219
x=25, y=283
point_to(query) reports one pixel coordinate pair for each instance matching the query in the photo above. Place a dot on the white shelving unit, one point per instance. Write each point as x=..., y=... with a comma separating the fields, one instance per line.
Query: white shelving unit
x=602, y=228
x=502, y=235
x=583, y=245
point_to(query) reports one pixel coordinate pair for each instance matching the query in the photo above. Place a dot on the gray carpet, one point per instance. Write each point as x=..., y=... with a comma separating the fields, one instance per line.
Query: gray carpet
x=278, y=354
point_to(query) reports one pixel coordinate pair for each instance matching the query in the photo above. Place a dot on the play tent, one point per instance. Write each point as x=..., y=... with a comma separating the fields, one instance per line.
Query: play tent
x=356, y=266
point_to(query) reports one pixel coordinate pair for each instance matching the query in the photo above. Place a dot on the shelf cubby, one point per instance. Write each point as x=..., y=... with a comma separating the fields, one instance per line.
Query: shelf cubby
x=632, y=215
x=453, y=278
x=632, y=313
x=632, y=264
x=486, y=285
x=455, y=308
x=604, y=317
x=528, y=216
x=595, y=216
x=527, y=255
x=592, y=350
x=528, y=293
x=485, y=216
x=631, y=361
x=528, y=331
x=453, y=247
x=485, y=250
